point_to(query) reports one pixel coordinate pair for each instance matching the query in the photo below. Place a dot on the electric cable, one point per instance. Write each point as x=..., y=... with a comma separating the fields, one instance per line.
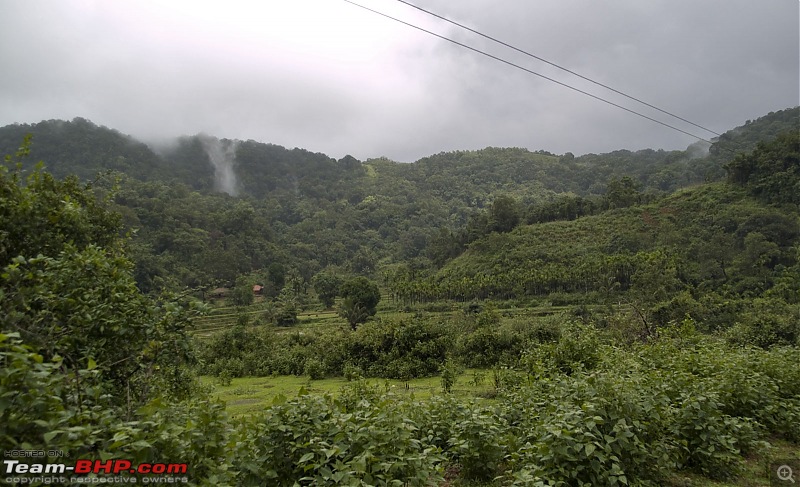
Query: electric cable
x=530, y=71
x=498, y=41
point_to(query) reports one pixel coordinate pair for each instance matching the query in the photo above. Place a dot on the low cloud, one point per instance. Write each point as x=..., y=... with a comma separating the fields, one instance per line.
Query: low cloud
x=333, y=78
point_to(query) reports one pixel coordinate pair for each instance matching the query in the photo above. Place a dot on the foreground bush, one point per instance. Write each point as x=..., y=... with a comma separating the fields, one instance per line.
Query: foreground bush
x=314, y=440
x=683, y=402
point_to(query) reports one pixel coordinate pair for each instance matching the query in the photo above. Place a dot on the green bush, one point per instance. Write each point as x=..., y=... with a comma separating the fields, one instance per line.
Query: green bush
x=312, y=440
x=314, y=368
x=579, y=412
x=578, y=348
x=47, y=409
x=766, y=324
x=477, y=443
x=710, y=441
x=589, y=430
x=400, y=350
x=352, y=372
x=487, y=346
x=450, y=372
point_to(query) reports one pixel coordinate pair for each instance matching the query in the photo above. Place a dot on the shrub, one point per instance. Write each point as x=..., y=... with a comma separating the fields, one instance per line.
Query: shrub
x=314, y=368
x=768, y=323
x=578, y=348
x=450, y=372
x=400, y=350
x=352, y=372
x=313, y=440
x=588, y=430
x=711, y=442
x=477, y=443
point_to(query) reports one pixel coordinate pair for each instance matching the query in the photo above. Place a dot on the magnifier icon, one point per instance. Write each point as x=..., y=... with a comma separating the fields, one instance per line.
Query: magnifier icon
x=785, y=473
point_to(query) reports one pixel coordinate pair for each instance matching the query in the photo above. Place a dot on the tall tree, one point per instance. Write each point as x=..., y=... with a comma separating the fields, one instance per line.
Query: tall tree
x=622, y=193
x=68, y=290
x=326, y=284
x=361, y=298
x=504, y=214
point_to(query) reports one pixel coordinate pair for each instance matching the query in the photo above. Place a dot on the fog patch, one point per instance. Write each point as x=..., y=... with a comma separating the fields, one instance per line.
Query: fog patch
x=698, y=150
x=222, y=154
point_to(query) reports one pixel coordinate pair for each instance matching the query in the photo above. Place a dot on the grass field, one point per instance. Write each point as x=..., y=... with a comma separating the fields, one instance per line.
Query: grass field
x=249, y=395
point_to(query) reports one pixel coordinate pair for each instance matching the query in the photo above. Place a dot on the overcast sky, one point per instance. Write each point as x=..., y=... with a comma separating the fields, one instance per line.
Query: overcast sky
x=330, y=77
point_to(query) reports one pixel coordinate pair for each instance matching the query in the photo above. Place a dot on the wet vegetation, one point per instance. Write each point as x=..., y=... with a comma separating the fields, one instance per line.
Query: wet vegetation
x=627, y=318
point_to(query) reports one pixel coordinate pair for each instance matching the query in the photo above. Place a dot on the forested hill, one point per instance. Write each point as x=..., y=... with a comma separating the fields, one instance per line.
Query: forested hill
x=718, y=252
x=260, y=169
x=299, y=213
x=81, y=148
x=85, y=149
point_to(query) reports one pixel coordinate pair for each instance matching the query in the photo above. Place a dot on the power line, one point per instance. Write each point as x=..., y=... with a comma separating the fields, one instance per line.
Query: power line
x=498, y=41
x=504, y=61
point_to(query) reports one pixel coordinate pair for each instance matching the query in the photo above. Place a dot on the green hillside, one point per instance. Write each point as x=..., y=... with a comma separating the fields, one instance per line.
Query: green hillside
x=707, y=252
x=307, y=212
x=696, y=225
x=81, y=148
x=469, y=177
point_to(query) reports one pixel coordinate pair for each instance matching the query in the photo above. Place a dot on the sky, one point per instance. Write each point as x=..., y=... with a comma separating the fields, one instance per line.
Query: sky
x=331, y=77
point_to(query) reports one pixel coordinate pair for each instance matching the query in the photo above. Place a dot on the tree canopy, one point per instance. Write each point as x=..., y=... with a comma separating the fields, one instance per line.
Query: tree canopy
x=360, y=300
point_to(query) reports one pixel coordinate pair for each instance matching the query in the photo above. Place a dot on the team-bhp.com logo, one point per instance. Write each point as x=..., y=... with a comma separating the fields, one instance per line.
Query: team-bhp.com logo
x=121, y=470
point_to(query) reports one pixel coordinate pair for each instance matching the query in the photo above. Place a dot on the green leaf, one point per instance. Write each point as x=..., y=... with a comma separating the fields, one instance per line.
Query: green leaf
x=48, y=437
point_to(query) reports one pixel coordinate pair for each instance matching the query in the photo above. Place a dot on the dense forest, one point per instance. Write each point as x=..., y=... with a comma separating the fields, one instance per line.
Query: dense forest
x=307, y=212
x=638, y=312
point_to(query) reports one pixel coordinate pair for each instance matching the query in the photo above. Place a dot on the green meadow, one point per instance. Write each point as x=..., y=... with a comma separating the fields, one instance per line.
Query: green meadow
x=250, y=395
